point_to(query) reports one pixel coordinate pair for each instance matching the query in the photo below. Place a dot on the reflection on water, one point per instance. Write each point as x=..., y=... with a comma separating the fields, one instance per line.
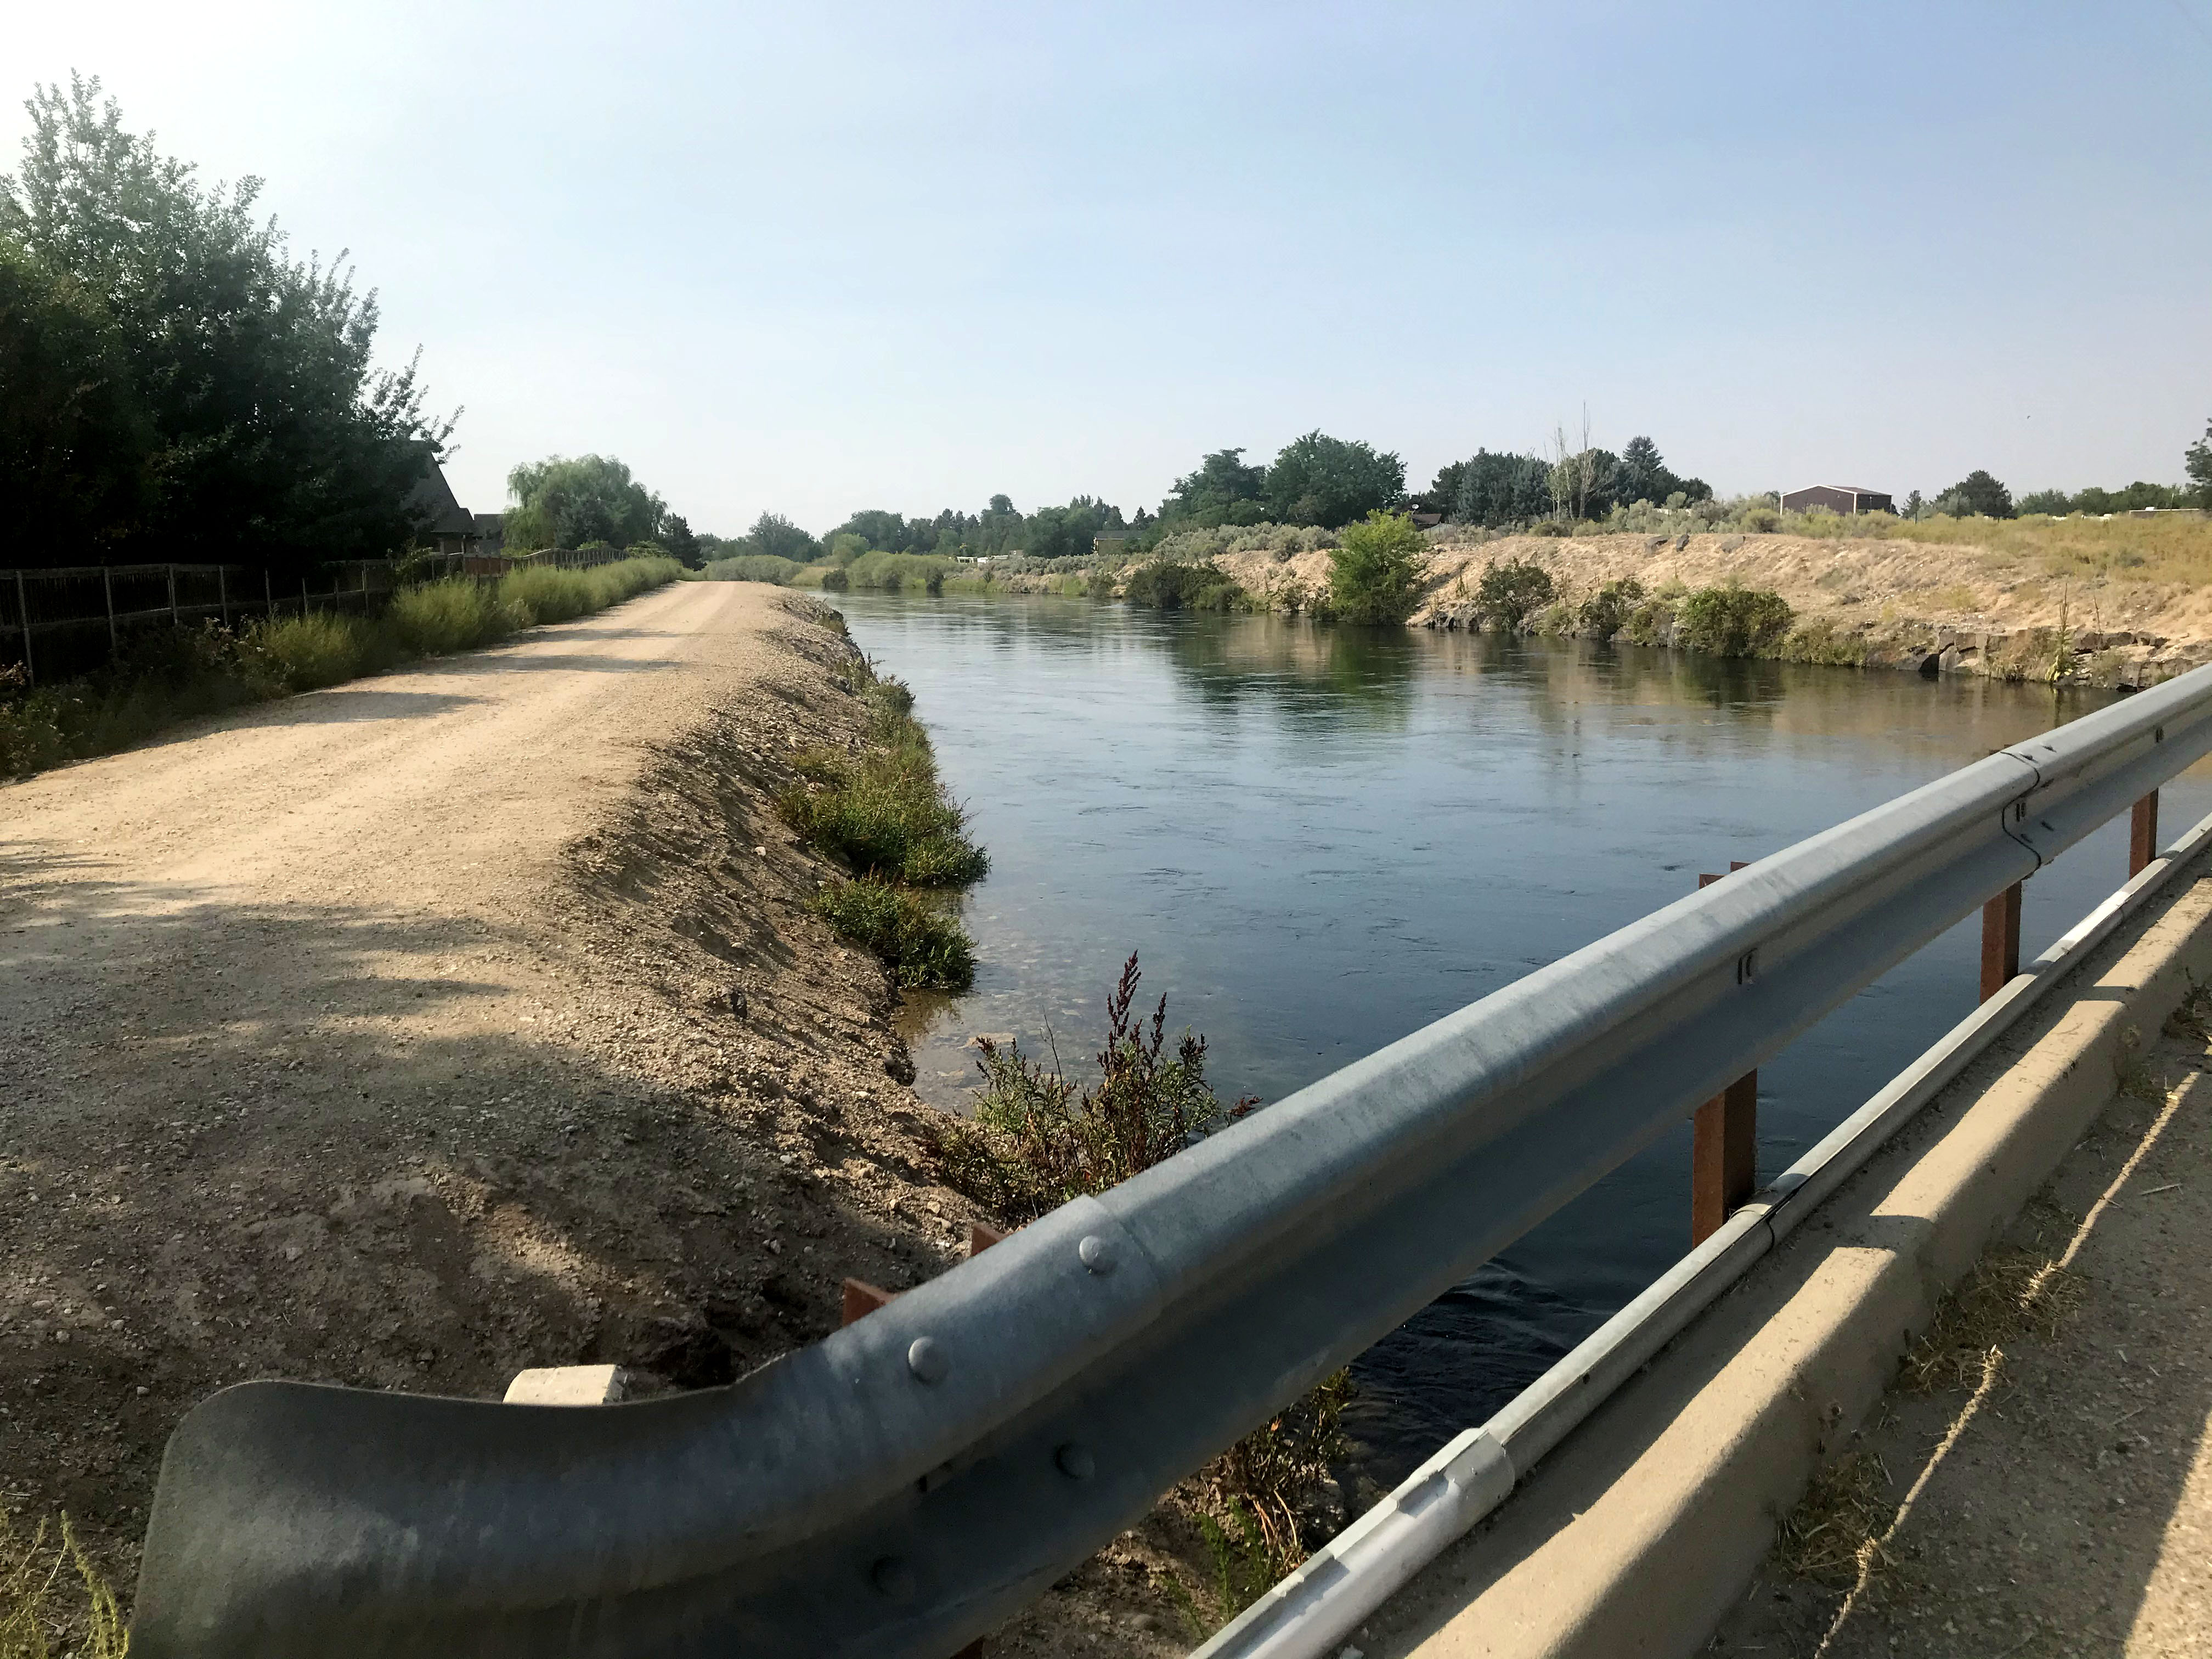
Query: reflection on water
x=1321, y=839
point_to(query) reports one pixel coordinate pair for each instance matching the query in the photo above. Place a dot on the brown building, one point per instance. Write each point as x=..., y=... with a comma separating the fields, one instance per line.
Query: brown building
x=1837, y=498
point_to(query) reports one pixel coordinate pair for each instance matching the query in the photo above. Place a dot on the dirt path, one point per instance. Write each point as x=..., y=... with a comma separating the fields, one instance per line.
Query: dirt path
x=385, y=1036
x=2061, y=1496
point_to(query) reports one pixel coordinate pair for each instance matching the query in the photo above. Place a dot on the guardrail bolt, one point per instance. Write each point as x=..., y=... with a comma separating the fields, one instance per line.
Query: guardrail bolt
x=894, y=1578
x=1096, y=1253
x=1076, y=1461
x=926, y=1360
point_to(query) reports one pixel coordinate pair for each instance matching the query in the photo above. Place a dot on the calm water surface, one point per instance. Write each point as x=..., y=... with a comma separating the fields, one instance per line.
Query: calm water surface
x=1321, y=839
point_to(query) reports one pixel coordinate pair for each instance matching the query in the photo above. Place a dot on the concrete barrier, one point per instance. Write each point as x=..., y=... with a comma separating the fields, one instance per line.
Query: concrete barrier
x=1634, y=1537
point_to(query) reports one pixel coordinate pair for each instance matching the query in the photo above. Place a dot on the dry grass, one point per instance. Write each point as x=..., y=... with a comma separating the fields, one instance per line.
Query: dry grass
x=2011, y=1293
x=1831, y=1536
x=2165, y=548
x=50, y=1593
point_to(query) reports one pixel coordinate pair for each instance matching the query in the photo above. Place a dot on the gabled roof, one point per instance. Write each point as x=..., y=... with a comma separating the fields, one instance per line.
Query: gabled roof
x=433, y=497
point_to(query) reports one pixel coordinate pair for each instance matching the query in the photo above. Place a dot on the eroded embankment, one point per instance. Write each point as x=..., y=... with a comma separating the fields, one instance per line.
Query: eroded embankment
x=453, y=1022
x=1947, y=608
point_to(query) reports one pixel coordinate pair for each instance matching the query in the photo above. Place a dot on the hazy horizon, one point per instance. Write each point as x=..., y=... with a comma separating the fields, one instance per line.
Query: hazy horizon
x=876, y=258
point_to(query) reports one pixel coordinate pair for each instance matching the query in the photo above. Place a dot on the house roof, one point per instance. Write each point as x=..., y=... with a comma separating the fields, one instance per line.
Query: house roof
x=432, y=498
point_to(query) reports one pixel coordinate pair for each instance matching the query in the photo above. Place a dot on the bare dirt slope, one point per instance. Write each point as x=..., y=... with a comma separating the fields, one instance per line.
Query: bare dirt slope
x=385, y=1036
x=2052, y=1494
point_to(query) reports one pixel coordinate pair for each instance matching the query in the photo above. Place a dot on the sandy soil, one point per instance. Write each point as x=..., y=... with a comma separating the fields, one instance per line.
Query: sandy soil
x=1906, y=599
x=2066, y=1507
x=385, y=1036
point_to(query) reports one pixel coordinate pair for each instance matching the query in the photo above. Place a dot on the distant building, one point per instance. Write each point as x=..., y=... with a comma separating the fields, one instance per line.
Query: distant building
x=1113, y=541
x=1837, y=498
x=451, y=527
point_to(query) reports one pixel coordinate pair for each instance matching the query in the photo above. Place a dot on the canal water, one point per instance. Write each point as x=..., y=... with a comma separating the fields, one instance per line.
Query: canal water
x=1319, y=839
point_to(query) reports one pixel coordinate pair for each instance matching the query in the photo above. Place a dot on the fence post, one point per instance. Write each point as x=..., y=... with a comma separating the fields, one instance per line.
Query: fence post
x=1724, y=1145
x=269, y=594
x=2142, y=833
x=174, y=618
x=107, y=584
x=222, y=590
x=23, y=614
x=2000, y=941
x=303, y=598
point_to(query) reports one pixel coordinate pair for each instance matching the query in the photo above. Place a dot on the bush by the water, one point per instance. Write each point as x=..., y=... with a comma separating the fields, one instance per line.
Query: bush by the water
x=1375, y=574
x=174, y=674
x=755, y=567
x=1509, y=594
x=920, y=944
x=1171, y=585
x=1733, y=622
x=1035, y=1142
x=1607, y=611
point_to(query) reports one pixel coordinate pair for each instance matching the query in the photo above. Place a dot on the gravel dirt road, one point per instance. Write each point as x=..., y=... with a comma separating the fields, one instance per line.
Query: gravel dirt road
x=386, y=1036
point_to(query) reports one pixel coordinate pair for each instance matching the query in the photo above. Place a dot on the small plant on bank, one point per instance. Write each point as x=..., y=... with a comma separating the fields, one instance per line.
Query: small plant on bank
x=1510, y=593
x=1036, y=1142
x=923, y=947
x=1374, y=574
x=44, y=1588
x=1733, y=622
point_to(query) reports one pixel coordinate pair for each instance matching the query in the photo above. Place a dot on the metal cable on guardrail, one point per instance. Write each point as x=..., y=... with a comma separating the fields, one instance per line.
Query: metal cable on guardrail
x=904, y=1484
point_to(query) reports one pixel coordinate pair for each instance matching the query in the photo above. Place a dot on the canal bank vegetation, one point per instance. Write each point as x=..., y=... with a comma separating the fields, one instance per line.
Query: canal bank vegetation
x=1037, y=1139
x=885, y=813
x=163, y=676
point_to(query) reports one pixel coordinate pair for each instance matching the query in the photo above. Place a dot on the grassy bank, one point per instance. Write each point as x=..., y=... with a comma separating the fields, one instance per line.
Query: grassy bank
x=885, y=815
x=177, y=674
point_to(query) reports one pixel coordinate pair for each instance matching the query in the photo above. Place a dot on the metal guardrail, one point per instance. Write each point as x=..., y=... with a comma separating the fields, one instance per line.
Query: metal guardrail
x=904, y=1484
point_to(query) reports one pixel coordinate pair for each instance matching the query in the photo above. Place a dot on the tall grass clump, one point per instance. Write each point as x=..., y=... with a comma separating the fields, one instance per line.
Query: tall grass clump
x=455, y=614
x=755, y=567
x=884, y=812
x=923, y=947
x=48, y=1587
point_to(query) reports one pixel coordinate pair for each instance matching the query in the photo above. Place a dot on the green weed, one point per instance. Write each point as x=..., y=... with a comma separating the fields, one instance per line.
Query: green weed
x=46, y=1590
x=921, y=946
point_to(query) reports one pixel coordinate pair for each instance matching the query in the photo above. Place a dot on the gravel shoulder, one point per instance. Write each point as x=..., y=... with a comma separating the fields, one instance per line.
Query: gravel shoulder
x=2057, y=1484
x=385, y=1036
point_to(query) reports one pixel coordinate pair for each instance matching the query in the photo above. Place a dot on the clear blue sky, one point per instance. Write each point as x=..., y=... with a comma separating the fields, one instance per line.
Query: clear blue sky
x=818, y=257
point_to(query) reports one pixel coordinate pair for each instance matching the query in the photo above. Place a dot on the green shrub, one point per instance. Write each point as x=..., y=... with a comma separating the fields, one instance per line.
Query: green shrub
x=1733, y=622
x=755, y=567
x=921, y=946
x=1509, y=592
x=1167, y=585
x=1607, y=611
x=1652, y=623
x=835, y=581
x=1374, y=576
x=913, y=573
x=1034, y=1143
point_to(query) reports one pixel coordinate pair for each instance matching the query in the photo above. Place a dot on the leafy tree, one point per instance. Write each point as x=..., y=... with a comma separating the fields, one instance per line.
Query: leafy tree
x=883, y=529
x=1498, y=489
x=272, y=437
x=777, y=537
x=2197, y=459
x=676, y=536
x=1914, y=506
x=1223, y=490
x=1975, y=493
x=1641, y=476
x=1374, y=570
x=564, y=502
x=76, y=451
x=1061, y=532
x=1318, y=479
x=2053, y=501
x=1509, y=594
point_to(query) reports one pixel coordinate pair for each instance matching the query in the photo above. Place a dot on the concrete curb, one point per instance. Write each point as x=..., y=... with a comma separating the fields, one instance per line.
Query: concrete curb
x=1637, y=1535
